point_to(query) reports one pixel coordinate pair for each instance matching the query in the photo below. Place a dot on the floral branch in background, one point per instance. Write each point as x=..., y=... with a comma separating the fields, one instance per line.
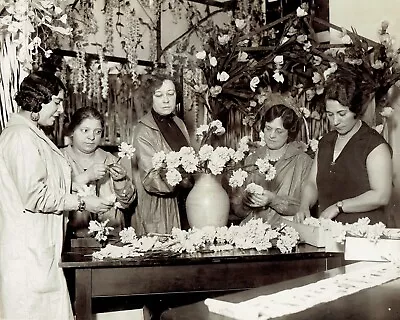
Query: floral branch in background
x=242, y=65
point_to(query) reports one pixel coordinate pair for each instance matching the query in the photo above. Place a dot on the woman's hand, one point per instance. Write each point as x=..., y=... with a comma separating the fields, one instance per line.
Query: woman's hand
x=330, y=213
x=117, y=172
x=96, y=172
x=301, y=215
x=258, y=200
x=97, y=205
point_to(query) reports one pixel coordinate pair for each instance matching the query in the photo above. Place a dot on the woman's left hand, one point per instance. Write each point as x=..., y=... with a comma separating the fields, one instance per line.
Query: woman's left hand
x=258, y=200
x=330, y=213
x=117, y=172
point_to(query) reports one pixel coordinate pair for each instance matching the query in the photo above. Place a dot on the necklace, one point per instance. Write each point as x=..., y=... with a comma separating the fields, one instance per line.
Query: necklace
x=275, y=159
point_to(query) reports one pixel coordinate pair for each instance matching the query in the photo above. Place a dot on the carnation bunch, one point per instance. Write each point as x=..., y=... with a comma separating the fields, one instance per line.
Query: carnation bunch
x=209, y=159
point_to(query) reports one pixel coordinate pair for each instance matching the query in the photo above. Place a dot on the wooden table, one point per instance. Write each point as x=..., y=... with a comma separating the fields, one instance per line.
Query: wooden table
x=201, y=272
x=380, y=302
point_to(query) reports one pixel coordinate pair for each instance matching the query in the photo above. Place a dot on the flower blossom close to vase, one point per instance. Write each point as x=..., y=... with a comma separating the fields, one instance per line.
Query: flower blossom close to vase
x=212, y=160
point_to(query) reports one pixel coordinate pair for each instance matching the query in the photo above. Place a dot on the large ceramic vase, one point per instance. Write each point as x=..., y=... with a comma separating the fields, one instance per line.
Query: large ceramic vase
x=207, y=203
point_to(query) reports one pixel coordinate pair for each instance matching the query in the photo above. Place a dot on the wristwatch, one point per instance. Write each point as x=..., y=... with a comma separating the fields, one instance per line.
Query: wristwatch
x=339, y=205
x=81, y=204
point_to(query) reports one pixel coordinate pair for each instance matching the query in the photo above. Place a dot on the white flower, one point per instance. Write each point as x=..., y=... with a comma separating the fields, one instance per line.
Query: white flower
x=242, y=56
x=224, y=39
x=278, y=59
x=253, y=83
x=201, y=55
x=270, y=174
x=284, y=40
x=215, y=91
x=346, y=39
x=254, y=189
x=201, y=88
x=378, y=64
x=316, y=77
x=128, y=235
x=205, y=152
x=305, y=112
x=172, y=159
x=126, y=150
x=300, y=12
x=387, y=112
x=63, y=18
x=301, y=38
x=217, y=124
x=332, y=69
x=158, y=160
x=200, y=131
x=317, y=60
x=223, y=76
x=263, y=165
x=213, y=61
x=99, y=229
x=173, y=177
x=57, y=10
x=278, y=77
x=48, y=53
x=240, y=23
x=237, y=178
x=307, y=46
x=314, y=144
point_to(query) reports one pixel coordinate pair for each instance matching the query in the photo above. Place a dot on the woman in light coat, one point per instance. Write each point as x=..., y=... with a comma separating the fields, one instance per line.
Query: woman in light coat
x=35, y=184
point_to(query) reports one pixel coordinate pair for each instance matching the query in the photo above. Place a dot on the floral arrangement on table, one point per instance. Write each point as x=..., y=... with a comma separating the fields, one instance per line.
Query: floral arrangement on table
x=255, y=234
x=238, y=68
x=210, y=160
x=361, y=229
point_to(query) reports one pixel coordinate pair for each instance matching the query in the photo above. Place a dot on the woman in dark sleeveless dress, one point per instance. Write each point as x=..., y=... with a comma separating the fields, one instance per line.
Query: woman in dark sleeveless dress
x=351, y=176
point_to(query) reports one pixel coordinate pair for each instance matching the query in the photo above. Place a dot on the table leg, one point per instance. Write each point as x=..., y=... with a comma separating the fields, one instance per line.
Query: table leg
x=83, y=294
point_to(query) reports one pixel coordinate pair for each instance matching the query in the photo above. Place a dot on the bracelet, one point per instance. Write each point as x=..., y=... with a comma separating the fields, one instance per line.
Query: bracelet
x=81, y=204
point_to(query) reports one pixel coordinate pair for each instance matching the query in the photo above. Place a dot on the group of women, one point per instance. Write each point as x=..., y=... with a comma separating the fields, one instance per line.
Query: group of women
x=45, y=190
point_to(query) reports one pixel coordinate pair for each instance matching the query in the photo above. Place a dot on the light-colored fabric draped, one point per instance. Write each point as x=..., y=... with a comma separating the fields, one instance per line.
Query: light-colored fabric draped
x=34, y=181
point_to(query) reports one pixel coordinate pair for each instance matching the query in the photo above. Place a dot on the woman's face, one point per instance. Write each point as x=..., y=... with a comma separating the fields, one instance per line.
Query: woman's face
x=164, y=98
x=340, y=117
x=51, y=110
x=275, y=134
x=87, y=136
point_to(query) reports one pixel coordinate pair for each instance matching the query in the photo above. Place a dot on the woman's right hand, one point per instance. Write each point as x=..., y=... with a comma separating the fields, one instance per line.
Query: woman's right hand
x=96, y=172
x=301, y=215
x=97, y=205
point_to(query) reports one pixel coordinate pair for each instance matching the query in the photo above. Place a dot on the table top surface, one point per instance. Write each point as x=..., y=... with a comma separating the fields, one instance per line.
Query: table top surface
x=82, y=258
x=380, y=302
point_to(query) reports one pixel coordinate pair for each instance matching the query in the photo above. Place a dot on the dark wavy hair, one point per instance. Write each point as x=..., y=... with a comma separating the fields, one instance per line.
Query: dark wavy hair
x=82, y=114
x=37, y=89
x=291, y=121
x=347, y=92
x=150, y=83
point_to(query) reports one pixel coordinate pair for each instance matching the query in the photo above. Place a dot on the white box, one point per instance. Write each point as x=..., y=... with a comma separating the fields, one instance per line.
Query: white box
x=135, y=314
x=309, y=234
x=365, y=249
x=331, y=245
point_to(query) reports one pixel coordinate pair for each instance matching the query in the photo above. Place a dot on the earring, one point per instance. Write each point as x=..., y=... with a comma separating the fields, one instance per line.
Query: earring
x=35, y=116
